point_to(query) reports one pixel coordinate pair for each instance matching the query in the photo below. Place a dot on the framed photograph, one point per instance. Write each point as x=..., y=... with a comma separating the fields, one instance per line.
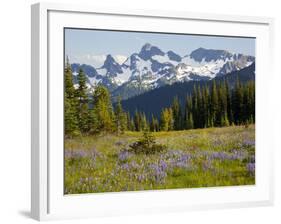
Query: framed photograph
x=139, y=111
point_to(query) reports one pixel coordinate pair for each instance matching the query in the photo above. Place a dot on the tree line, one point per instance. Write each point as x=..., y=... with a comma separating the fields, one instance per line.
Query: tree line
x=208, y=106
x=212, y=106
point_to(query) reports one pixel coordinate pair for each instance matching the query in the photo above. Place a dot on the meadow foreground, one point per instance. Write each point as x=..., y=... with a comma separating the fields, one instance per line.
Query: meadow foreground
x=192, y=158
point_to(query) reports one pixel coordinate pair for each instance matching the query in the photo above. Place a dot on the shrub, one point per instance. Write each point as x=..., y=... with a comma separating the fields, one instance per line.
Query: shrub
x=147, y=145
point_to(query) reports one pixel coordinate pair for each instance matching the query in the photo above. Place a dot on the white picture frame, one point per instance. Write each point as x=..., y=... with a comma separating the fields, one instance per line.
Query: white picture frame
x=47, y=199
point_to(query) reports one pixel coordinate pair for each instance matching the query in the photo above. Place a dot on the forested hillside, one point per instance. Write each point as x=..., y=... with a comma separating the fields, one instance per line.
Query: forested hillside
x=153, y=101
x=221, y=102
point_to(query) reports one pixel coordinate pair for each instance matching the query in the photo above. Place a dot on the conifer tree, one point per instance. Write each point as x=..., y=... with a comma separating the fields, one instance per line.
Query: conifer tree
x=120, y=118
x=205, y=108
x=237, y=103
x=188, y=117
x=252, y=100
x=186, y=110
x=195, y=107
x=177, y=114
x=171, y=119
x=222, y=108
x=103, y=111
x=137, y=121
x=166, y=120
x=132, y=125
x=83, y=114
x=214, y=107
x=154, y=125
x=229, y=103
x=144, y=126
x=70, y=104
x=189, y=123
x=128, y=118
x=200, y=108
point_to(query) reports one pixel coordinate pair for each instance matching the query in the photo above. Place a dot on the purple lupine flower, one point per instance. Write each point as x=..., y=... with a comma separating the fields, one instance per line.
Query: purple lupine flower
x=249, y=142
x=124, y=155
x=157, y=174
x=251, y=168
x=182, y=161
x=252, y=158
x=220, y=155
x=77, y=154
x=94, y=153
x=173, y=153
x=128, y=166
x=238, y=154
x=125, y=166
x=141, y=177
x=80, y=154
x=177, y=158
x=163, y=165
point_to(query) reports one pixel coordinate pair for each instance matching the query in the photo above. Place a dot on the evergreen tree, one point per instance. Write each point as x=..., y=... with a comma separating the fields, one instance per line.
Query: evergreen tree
x=137, y=121
x=224, y=120
x=229, y=103
x=200, y=108
x=132, y=125
x=70, y=104
x=222, y=104
x=81, y=91
x=144, y=126
x=188, y=117
x=176, y=114
x=186, y=110
x=128, y=118
x=205, y=108
x=120, y=118
x=189, y=123
x=102, y=111
x=166, y=120
x=214, y=106
x=252, y=101
x=83, y=114
x=195, y=107
x=171, y=120
x=154, y=125
x=237, y=103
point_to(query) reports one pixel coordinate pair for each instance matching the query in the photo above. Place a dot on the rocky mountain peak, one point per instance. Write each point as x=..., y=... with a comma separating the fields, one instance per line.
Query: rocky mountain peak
x=148, y=51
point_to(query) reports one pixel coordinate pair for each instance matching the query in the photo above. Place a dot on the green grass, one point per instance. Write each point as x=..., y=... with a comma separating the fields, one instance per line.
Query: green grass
x=194, y=158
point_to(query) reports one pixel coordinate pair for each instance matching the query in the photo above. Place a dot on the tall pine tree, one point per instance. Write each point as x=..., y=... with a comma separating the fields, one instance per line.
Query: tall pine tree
x=83, y=113
x=70, y=104
x=102, y=111
x=120, y=118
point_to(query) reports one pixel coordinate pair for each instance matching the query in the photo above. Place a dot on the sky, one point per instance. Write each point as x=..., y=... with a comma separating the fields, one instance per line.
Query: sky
x=87, y=46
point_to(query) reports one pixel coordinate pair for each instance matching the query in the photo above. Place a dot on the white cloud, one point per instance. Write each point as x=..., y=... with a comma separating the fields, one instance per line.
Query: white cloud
x=90, y=59
x=95, y=60
x=120, y=58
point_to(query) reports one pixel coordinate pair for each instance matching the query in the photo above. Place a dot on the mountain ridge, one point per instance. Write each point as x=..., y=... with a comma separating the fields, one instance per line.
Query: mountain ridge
x=152, y=68
x=154, y=101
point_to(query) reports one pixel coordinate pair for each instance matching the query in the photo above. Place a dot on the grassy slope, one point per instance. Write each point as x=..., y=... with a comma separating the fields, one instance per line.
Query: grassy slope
x=195, y=158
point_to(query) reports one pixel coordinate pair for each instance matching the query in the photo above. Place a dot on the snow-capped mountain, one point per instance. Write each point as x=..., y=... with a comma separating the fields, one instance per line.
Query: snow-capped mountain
x=152, y=68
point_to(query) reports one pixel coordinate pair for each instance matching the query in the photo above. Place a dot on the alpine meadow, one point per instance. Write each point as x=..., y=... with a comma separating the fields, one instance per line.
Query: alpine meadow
x=148, y=111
